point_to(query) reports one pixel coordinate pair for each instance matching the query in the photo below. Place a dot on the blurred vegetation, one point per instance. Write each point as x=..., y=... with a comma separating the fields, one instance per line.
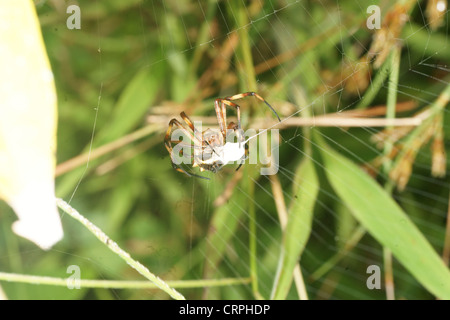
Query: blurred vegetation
x=133, y=61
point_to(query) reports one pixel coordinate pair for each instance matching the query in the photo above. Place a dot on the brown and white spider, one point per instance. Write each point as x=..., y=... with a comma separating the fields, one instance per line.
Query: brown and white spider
x=212, y=149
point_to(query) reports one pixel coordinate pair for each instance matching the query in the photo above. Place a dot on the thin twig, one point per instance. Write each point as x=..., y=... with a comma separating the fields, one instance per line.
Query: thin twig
x=116, y=249
x=100, y=151
x=126, y=155
x=318, y=121
x=388, y=274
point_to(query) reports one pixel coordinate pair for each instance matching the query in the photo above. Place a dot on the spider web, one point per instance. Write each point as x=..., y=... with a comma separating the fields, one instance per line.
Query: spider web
x=323, y=234
x=307, y=91
x=366, y=252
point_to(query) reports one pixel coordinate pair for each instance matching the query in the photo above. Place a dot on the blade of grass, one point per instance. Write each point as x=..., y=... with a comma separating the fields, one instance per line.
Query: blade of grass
x=203, y=35
x=129, y=111
x=391, y=104
x=386, y=221
x=247, y=76
x=133, y=103
x=132, y=284
x=416, y=35
x=298, y=227
x=277, y=191
x=252, y=241
x=376, y=85
x=446, y=250
x=117, y=250
x=394, y=61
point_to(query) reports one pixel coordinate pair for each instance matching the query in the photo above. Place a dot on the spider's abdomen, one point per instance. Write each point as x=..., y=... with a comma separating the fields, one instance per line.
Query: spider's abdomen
x=213, y=159
x=232, y=151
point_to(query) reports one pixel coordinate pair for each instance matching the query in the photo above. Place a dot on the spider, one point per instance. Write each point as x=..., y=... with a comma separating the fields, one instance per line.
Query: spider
x=212, y=150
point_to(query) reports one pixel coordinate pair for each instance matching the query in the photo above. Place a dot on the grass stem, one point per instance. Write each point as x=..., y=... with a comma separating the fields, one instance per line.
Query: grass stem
x=117, y=250
x=109, y=284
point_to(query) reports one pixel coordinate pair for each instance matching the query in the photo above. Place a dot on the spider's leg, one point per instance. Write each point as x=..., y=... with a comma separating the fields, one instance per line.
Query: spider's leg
x=254, y=94
x=233, y=126
x=221, y=117
x=180, y=169
x=168, y=143
x=245, y=157
x=186, y=119
x=219, y=105
x=224, y=113
x=197, y=134
x=167, y=138
x=238, y=109
x=238, y=112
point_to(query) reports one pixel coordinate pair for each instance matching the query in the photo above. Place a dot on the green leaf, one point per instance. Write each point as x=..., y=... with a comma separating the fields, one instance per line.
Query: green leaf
x=298, y=228
x=129, y=112
x=133, y=104
x=385, y=220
